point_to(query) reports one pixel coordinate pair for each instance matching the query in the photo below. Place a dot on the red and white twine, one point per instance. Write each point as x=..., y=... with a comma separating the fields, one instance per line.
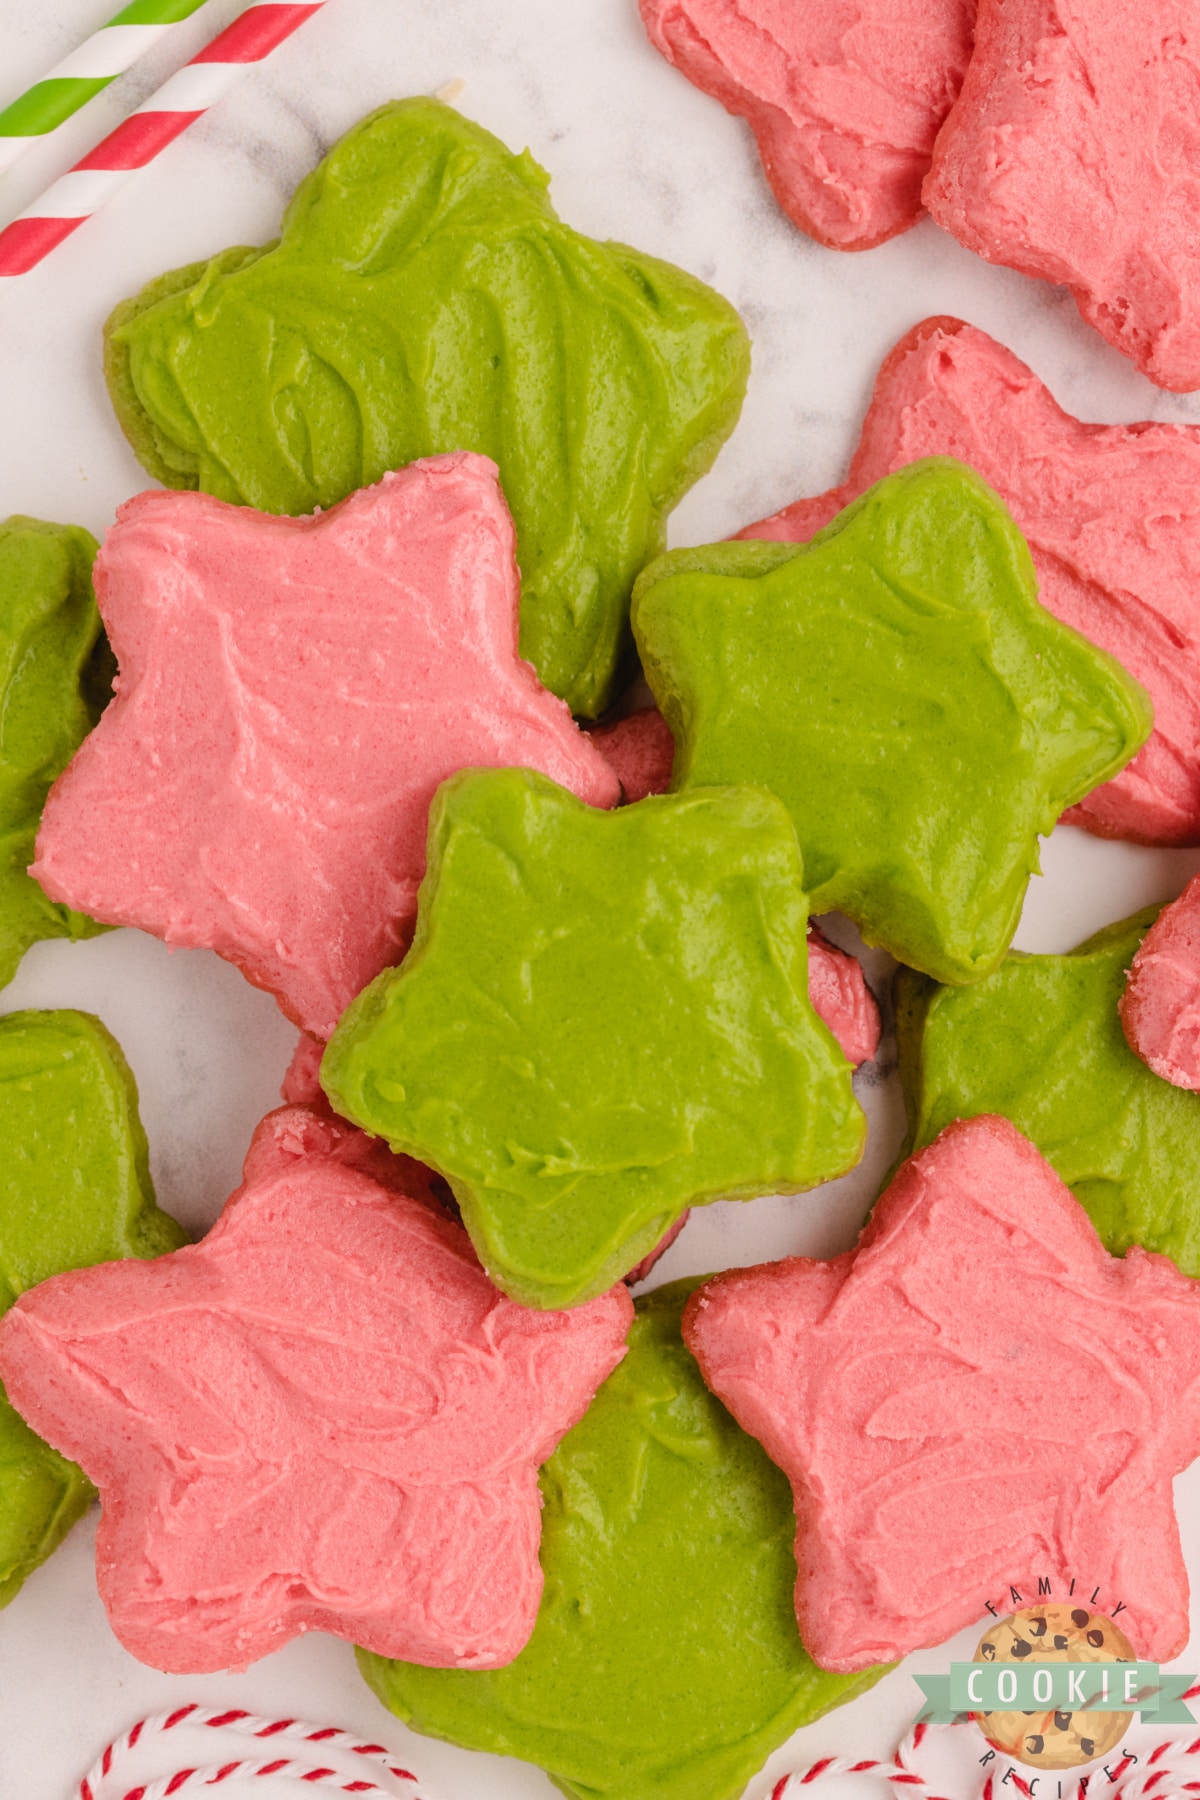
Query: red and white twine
x=898, y=1771
x=1170, y=1768
x=107, y=1775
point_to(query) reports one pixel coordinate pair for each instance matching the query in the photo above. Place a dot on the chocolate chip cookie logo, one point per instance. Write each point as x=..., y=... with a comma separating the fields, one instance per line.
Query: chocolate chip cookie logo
x=1055, y=1737
x=1055, y=1686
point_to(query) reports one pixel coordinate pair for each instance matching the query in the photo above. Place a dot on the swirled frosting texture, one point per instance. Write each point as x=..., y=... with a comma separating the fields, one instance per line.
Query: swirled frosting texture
x=322, y=1417
x=977, y=1395
x=896, y=683
x=1072, y=154
x=845, y=99
x=1160, y=1008
x=74, y=1190
x=425, y=298
x=603, y=1019
x=1041, y=1042
x=51, y=692
x=665, y=1662
x=291, y=693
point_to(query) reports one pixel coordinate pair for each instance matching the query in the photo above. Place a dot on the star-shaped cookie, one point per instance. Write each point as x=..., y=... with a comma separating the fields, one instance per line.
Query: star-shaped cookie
x=423, y=297
x=1041, y=1042
x=1070, y=154
x=322, y=1417
x=52, y=683
x=845, y=99
x=603, y=1019
x=291, y=693
x=74, y=1190
x=665, y=1662
x=896, y=683
x=977, y=1395
x=1112, y=517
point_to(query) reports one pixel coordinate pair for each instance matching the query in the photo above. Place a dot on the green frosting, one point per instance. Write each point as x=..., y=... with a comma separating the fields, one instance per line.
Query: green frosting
x=75, y=1191
x=897, y=684
x=54, y=679
x=424, y=297
x=603, y=1019
x=1040, y=1041
x=665, y=1663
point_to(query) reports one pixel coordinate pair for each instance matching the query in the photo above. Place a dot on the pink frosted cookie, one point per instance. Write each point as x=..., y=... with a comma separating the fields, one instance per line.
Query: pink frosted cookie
x=322, y=1417
x=841, y=997
x=640, y=749
x=302, y=1080
x=1072, y=154
x=845, y=98
x=1160, y=1008
x=971, y=1398
x=292, y=691
x=1111, y=514
x=296, y=1133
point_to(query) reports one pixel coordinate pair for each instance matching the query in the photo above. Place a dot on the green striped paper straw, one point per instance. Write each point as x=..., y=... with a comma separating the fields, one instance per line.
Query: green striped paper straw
x=75, y=80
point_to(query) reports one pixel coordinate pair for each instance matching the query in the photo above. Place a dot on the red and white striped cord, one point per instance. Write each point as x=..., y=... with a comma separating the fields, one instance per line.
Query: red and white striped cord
x=898, y=1771
x=146, y=133
x=1171, y=1768
x=107, y=1775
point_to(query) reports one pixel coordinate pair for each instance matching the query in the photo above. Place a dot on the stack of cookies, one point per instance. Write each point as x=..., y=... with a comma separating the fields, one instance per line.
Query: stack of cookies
x=395, y=701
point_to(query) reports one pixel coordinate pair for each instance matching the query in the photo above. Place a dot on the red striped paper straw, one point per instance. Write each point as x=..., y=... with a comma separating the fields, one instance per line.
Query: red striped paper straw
x=146, y=133
x=34, y=115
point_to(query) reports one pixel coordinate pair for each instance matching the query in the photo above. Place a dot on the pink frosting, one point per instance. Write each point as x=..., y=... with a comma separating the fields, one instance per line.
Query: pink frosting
x=640, y=749
x=841, y=997
x=302, y=1081
x=1160, y=1008
x=322, y=1417
x=291, y=693
x=977, y=1395
x=1072, y=154
x=293, y=1133
x=845, y=98
x=1112, y=516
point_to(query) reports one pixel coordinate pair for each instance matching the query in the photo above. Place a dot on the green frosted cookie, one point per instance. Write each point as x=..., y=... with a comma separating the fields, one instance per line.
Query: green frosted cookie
x=665, y=1663
x=1040, y=1041
x=424, y=297
x=603, y=1019
x=52, y=688
x=74, y=1190
x=897, y=684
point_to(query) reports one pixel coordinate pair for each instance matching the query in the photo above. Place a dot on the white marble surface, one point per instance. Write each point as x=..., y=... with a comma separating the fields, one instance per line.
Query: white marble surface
x=635, y=154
